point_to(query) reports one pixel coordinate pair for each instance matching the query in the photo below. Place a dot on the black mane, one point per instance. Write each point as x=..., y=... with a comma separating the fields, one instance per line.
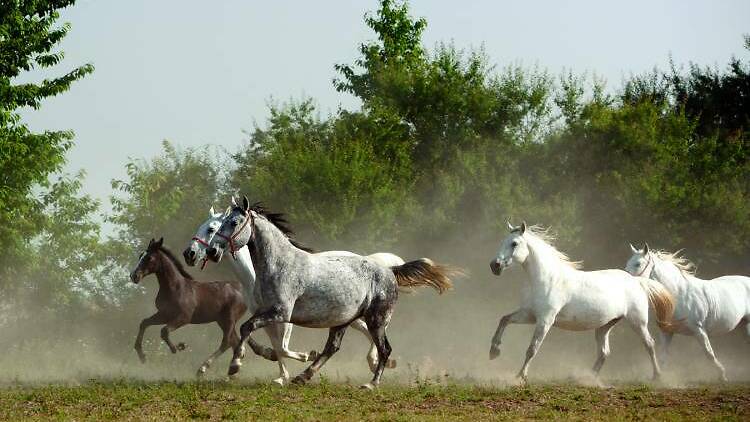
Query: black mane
x=279, y=220
x=176, y=263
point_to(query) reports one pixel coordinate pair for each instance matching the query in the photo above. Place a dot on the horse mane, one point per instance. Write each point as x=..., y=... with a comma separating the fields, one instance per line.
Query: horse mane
x=176, y=262
x=543, y=237
x=279, y=220
x=674, y=258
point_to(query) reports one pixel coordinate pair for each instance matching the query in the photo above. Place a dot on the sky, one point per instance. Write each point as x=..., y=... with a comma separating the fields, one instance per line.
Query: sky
x=196, y=72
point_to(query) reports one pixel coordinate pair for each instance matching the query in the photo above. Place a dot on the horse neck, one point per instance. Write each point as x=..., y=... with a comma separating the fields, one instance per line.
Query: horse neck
x=671, y=277
x=243, y=265
x=270, y=247
x=168, y=276
x=544, y=268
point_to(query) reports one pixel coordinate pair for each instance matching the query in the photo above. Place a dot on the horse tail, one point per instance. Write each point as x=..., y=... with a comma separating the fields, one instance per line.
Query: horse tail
x=424, y=272
x=662, y=302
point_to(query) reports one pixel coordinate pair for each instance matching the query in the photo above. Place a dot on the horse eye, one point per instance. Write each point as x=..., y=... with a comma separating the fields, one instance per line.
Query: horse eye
x=211, y=229
x=513, y=244
x=234, y=223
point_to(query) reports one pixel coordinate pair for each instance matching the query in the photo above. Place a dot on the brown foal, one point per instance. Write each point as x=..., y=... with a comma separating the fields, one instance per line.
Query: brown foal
x=182, y=300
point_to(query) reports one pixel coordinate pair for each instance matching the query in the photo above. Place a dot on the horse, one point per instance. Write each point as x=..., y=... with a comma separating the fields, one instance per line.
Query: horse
x=318, y=291
x=182, y=300
x=703, y=307
x=562, y=295
x=279, y=334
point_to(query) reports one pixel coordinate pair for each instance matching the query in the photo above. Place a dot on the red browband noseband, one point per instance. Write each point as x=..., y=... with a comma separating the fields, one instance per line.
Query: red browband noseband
x=236, y=233
x=204, y=243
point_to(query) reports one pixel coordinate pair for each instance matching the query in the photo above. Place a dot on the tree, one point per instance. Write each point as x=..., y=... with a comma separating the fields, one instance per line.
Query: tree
x=29, y=35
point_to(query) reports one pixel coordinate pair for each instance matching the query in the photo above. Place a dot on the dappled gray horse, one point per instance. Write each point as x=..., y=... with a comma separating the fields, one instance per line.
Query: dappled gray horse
x=318, y=291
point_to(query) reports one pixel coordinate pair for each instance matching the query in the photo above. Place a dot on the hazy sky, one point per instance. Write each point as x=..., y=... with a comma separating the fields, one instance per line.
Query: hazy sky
x=198, y=72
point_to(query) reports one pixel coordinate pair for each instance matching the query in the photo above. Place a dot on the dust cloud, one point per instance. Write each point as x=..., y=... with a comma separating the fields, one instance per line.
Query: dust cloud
x=435, y=338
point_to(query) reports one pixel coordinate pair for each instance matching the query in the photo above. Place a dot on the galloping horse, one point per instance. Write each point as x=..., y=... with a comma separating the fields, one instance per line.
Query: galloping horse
x=182, y=300
x=704, y=307
x=279, y=334
x=563, y=296
x=318, y=291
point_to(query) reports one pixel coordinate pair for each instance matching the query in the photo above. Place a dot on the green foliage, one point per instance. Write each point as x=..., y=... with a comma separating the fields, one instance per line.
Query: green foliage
x=167, y=196
x=31, y=205
x=353, y=166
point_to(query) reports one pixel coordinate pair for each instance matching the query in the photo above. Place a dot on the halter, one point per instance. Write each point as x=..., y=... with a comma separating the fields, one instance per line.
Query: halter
x=645, y=267
x=204, y=243
x=230, y=239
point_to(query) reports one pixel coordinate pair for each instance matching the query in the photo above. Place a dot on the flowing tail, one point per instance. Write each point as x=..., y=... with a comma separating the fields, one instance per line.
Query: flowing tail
x=662, y=302
x=424, y=272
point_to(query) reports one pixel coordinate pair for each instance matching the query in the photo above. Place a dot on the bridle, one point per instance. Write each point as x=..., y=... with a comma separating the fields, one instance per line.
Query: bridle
x=230, y=239
x=645, y=267
x=204, y=243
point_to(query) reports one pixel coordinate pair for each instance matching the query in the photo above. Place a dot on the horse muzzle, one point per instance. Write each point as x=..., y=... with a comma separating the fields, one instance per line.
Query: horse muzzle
x=496, y=267
x=136, y=276
x=190, y=256
x=214, y=254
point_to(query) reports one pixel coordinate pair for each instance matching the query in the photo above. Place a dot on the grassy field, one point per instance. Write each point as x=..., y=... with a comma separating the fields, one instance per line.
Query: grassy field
x=324, y=401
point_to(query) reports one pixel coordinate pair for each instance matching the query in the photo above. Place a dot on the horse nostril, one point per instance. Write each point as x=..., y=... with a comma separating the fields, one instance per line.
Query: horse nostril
x=192, y=253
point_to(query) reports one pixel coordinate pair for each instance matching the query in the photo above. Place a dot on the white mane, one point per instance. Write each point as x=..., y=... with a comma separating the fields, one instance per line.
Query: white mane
x=543, y=239
x=674, y=258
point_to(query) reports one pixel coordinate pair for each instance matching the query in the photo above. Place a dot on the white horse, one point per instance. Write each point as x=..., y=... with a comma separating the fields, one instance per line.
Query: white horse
x=703, y=307
x=279, y=334
x=563, y=296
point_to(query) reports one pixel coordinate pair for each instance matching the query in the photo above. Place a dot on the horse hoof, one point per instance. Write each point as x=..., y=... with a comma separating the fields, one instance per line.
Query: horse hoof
x=299, y=380
x=390, y=364
x=281, y=381
x=181, y=346
x=494, y=352
x=312, y=355
x=142, y=358
x=368, y=386
x=234, y=368
x=201, y=372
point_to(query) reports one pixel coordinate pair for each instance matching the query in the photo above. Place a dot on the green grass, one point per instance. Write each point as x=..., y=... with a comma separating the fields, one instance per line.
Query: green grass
x=325, y=401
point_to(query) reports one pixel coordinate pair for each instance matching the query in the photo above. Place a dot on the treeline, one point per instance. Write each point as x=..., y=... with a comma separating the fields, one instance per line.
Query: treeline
x=444, y=148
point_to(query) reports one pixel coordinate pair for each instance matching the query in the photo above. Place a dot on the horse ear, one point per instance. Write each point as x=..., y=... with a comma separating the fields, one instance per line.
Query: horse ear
x=633, y=248
x=523, y=227
x=245, y=203
x=510, y=226
x=160, y=242
x=645, y=248
x=227, y=211
x=211, y=211
x=234, y=202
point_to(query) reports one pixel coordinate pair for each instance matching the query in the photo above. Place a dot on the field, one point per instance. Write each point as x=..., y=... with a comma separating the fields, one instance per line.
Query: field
x=325, y=401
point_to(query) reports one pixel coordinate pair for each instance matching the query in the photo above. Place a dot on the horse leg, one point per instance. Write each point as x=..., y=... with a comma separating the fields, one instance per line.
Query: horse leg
x=154, y=319
x=171, y=326
x=335, y=334
x=372, y=355
x=265, y=352
x=665, y=339
x=276, y=335
x=540, y=332
x=602, y=343
x=285, y=333
x=702, y=337
x=520, y=316
x=261, y=320
x=229, y=338
x=641, y=328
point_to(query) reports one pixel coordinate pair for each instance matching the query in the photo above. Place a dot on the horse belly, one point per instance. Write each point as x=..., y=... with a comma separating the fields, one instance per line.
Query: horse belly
x=583, y=316
x=317, y=310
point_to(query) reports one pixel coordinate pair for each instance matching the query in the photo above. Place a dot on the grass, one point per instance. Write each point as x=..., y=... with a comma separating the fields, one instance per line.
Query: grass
x=135, y=400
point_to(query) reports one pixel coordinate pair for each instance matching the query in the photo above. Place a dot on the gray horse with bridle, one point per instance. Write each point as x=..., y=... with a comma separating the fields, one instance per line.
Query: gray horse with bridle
x=318, y=291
